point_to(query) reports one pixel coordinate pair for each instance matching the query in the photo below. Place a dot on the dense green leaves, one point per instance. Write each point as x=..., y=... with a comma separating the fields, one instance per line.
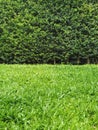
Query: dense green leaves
x=48, y=31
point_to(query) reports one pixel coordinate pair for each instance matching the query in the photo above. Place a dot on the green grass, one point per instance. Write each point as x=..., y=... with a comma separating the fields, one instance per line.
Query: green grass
x=47, y=97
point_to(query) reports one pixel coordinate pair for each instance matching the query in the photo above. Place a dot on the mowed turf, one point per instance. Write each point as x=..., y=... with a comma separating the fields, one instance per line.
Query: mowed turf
x=48, y=97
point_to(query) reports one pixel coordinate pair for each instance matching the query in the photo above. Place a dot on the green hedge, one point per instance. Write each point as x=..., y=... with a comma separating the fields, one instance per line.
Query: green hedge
x=47, y=31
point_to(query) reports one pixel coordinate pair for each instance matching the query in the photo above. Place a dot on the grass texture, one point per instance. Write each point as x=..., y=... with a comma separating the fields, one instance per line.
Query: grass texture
x=48, y=97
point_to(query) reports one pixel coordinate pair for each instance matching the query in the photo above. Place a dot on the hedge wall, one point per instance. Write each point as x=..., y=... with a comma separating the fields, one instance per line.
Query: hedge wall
x=49, y=31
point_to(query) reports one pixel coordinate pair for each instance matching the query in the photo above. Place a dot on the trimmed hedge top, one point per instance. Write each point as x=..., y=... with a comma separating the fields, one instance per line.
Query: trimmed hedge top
x=59, y=31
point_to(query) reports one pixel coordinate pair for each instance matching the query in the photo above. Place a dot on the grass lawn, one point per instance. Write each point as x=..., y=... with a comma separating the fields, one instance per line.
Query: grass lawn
x=48, y=97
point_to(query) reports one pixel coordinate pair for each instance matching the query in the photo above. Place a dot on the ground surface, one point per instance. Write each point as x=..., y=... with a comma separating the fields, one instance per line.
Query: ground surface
x=47, y=97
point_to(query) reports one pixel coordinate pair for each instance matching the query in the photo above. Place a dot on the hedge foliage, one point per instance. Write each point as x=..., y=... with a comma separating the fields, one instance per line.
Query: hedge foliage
x=49, y=31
